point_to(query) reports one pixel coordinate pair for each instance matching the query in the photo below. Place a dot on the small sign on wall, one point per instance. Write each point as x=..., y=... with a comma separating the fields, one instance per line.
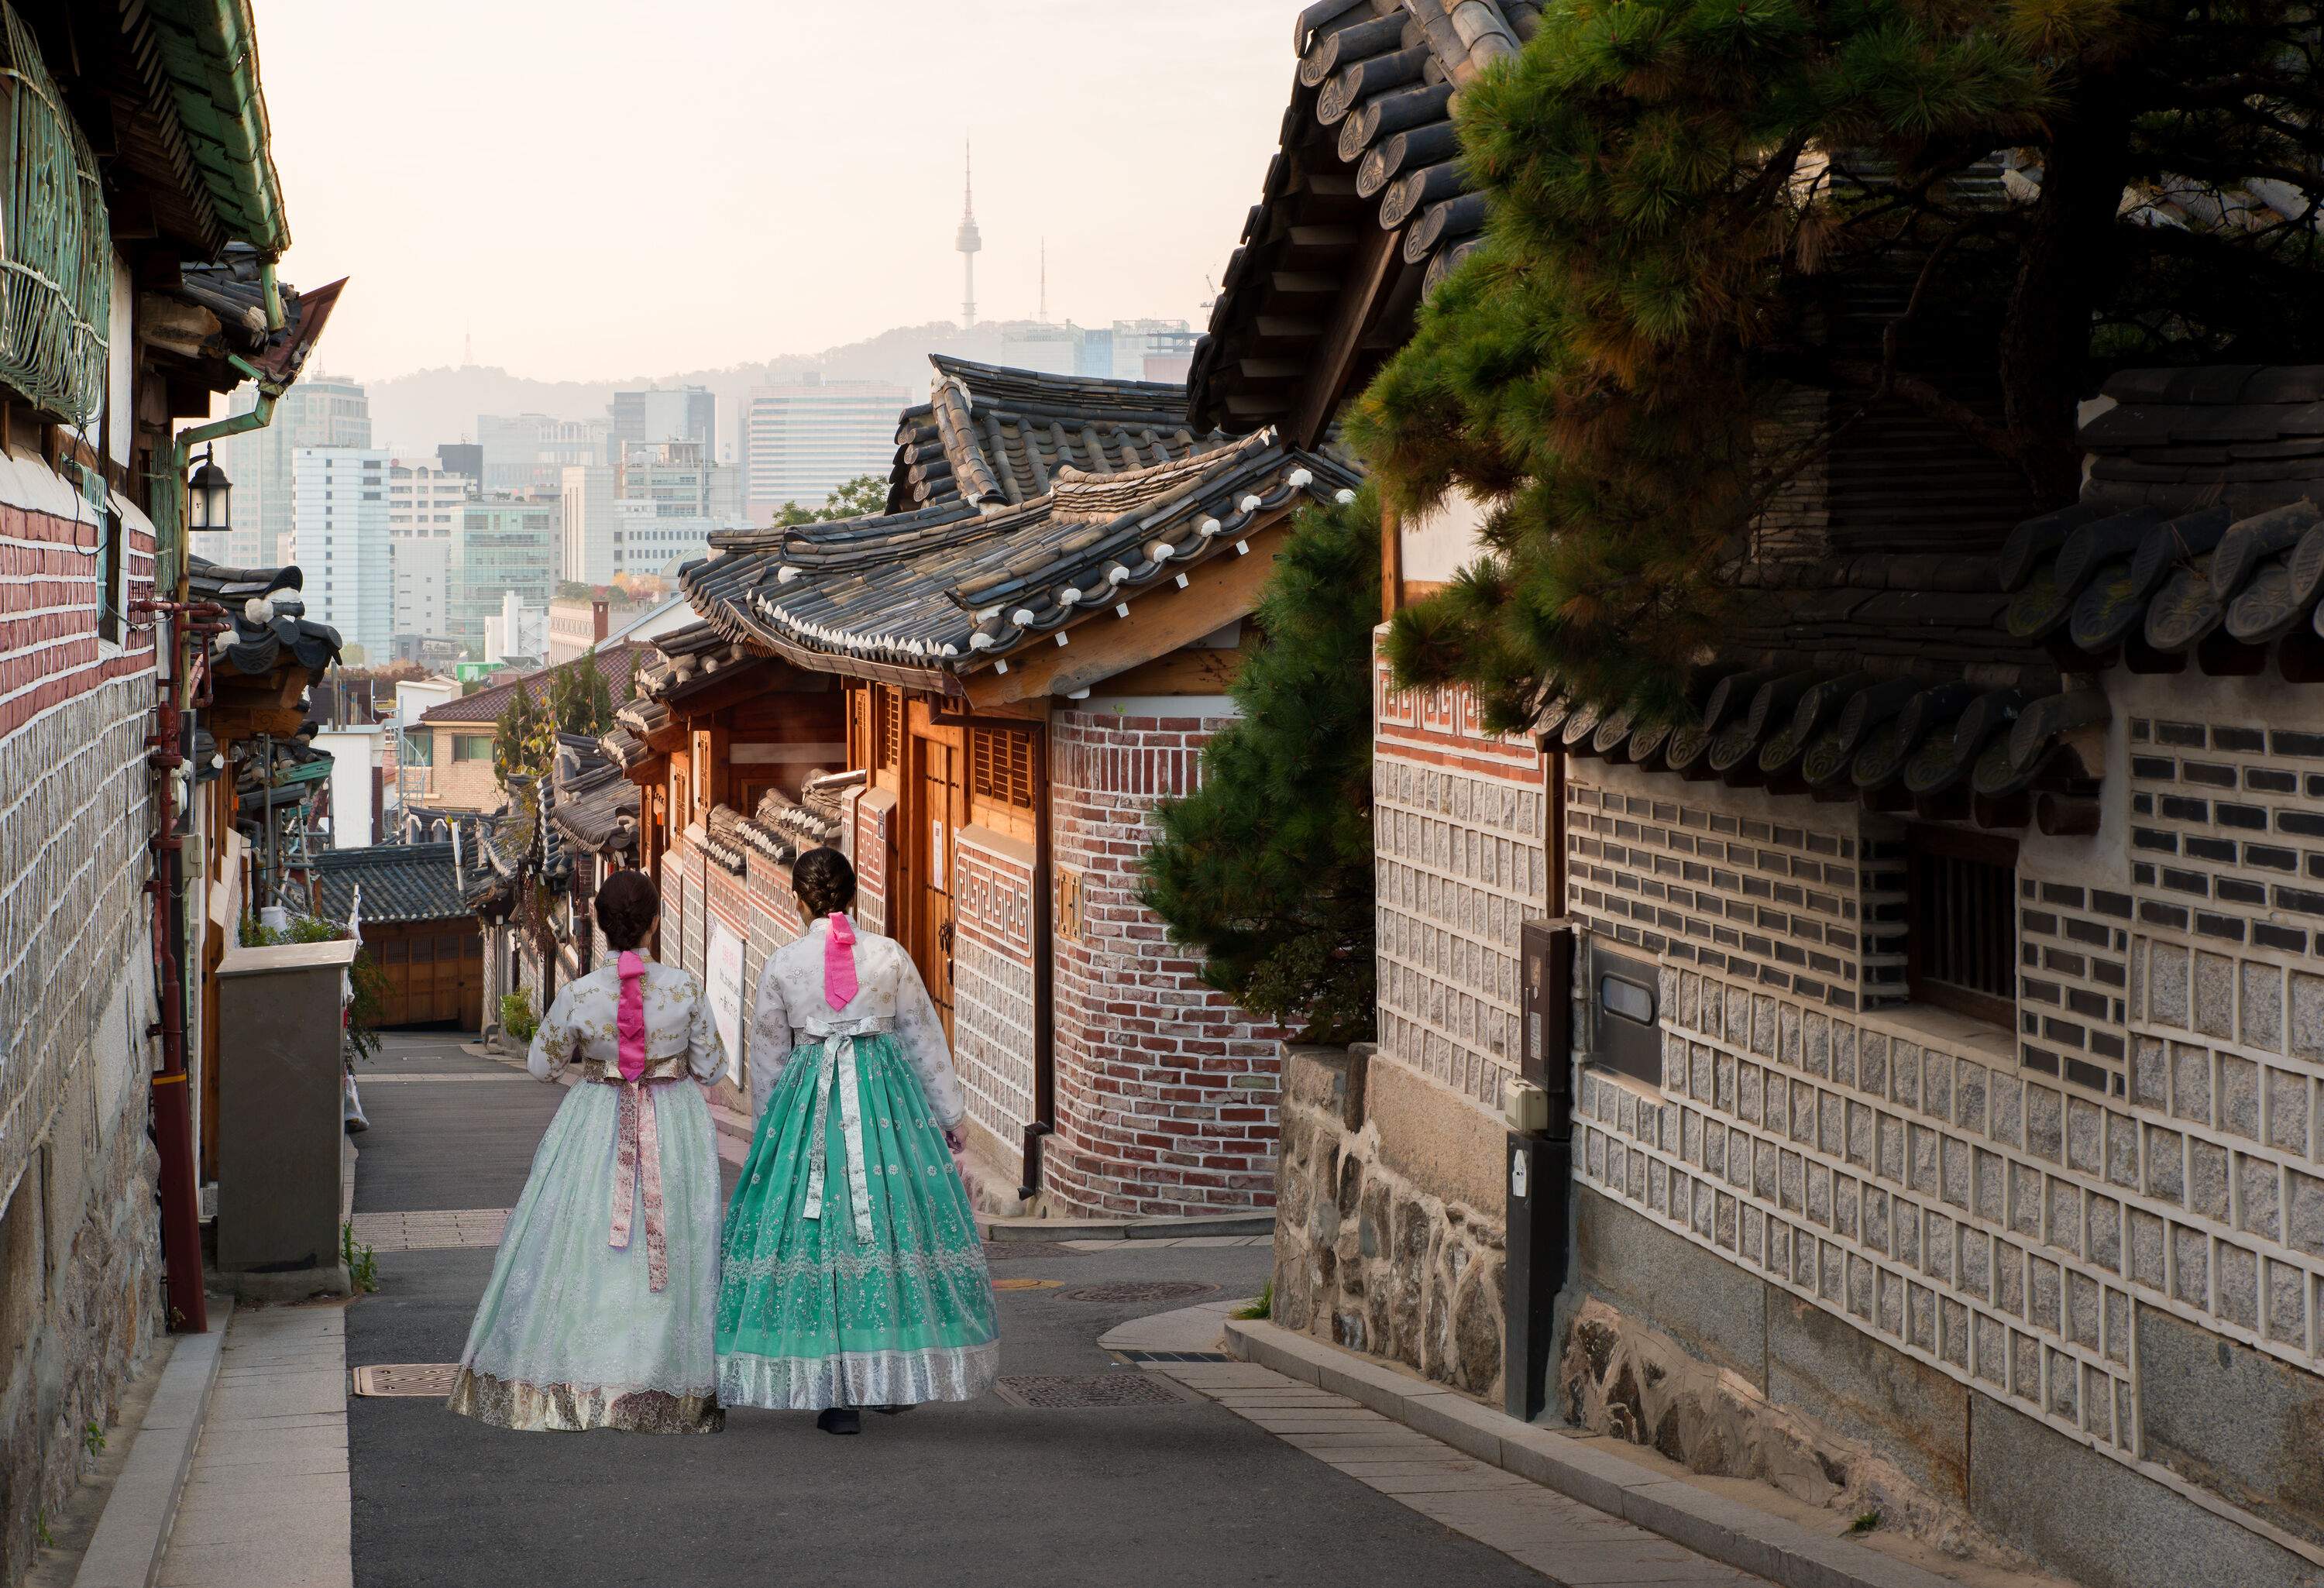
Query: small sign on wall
x=726, y=992
x=1069, y=904
x=937, y=876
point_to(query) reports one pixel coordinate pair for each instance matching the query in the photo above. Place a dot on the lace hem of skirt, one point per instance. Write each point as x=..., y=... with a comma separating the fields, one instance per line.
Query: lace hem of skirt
x=866, y=1378
x=938, y=1264
x=573, y=1408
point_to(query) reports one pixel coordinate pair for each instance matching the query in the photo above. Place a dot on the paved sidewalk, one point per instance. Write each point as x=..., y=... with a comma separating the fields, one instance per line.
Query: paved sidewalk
x=1563, y=1540
x=266, y=1503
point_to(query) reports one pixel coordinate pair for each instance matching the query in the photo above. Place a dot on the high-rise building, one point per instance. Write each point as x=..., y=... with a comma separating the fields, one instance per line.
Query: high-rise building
x=319, y=410
x=339, y=535
x=585, y=525
x=462, y=458
x=532, y=451
x=811, y=437
x=423, y=516
x=668, y=414
x=507, y=545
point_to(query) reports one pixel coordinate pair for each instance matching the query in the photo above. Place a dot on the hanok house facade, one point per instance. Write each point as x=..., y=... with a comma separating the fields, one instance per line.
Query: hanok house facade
x=1022, y=657
x=536, y=868
x=405, y=902
x=121, y=169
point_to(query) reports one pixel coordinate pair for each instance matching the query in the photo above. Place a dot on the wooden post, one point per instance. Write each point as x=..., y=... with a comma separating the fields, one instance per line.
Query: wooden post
x=1391, y=563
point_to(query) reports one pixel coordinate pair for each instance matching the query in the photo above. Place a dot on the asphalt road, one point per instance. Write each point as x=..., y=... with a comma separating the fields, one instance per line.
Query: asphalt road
x=984, y=1495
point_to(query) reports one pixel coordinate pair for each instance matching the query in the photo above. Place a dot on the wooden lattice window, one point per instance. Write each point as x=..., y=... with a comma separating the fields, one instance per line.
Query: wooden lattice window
x=1001, y=767
x=56, y=278
x=1960, y=922
x=888, y=726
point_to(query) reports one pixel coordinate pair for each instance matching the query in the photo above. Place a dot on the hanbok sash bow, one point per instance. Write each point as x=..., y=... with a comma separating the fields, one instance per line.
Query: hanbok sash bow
x=637, y=1145
x=835, y=1072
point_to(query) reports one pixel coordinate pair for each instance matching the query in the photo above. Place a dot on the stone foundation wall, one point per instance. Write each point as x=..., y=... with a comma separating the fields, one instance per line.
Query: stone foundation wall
x=1389, y=1235
x=79, y=1260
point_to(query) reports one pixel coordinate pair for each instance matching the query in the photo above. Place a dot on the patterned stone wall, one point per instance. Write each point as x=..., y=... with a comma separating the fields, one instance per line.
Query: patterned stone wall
x=79, y=1261
x=875, y=818
x=1164, y=1091
x=994, y=898
x=2062, y=1217
x=1461, y=862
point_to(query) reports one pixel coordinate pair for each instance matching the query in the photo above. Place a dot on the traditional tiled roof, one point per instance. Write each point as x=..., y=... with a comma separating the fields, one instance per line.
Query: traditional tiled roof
x=2198, y=534
x=992, y=438
x=590, y=801
x=949, y=590
x=400, y=882
x=258, y=638
x=1367, y=148
x=614, y=664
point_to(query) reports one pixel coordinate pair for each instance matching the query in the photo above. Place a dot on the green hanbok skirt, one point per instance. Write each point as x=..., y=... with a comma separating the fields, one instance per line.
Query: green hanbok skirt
x=852, y=1273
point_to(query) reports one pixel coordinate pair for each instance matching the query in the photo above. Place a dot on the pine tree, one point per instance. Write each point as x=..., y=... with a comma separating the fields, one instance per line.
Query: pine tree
x=1268, y=866
x=1672, y=184
x=524, y=740
x=579, y=699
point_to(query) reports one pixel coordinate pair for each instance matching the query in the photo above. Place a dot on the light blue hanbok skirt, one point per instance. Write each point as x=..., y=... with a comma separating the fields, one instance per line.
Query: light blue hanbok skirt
x=570, y=1334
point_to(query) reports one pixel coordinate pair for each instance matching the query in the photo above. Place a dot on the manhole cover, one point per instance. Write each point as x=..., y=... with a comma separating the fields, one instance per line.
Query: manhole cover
x=1055, y=1392
x=1026, y=1284
x=1140, y=1291
x=416, y=1379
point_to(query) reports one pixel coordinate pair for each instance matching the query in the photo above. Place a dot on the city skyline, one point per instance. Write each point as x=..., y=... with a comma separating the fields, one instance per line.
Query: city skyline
x=492, y=279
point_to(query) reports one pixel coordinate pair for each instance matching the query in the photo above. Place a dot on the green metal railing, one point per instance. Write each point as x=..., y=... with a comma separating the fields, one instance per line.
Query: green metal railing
x=56, y=278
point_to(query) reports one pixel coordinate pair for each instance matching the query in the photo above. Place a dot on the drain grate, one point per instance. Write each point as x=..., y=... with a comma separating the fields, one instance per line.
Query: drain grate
x=1057, y=1392
x=412, y=1379
x=1018, y=1251
x=1026, y=1284
x=1140, y=1291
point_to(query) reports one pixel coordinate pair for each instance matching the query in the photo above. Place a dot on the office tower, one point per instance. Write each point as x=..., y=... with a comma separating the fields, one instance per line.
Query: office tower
x=339, y=530
x=808, y=437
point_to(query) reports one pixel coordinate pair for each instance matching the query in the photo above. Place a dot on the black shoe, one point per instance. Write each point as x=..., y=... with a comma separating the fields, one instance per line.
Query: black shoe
x=891, y=1411
x=840, y=1419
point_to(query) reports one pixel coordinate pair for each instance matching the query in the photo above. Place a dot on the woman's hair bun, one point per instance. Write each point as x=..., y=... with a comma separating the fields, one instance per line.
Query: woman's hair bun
x=823, y=881
x=627, y=908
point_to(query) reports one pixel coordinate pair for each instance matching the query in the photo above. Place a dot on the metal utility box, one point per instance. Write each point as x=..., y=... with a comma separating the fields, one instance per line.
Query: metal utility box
x=280, y=1128
x=1538, y=1167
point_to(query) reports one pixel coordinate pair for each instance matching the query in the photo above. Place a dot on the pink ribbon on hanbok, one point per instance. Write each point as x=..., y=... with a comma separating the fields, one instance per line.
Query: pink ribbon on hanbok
x=637, y=1144
x=839, y=960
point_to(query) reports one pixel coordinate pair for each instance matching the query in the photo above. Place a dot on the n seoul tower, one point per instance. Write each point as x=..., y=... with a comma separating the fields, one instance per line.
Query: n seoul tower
x=968, y=240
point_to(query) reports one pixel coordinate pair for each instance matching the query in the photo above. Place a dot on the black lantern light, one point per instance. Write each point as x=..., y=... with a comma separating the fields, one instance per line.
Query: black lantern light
x=207, y=496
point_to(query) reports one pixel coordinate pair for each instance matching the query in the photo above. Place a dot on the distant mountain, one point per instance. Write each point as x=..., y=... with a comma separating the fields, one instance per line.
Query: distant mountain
x=416, y=411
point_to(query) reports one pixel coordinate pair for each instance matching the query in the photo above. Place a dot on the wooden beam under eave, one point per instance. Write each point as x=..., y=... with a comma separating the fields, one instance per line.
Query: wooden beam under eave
x=231, y=725
x=1161, y=618
x=1333, y=359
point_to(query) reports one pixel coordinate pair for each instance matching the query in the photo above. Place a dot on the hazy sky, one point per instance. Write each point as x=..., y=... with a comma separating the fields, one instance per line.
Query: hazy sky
x=599, y=189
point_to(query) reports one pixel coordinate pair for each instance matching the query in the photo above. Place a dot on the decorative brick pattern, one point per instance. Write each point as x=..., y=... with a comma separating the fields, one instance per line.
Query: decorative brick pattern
x=1773, y=902
x=995, y=896
x=1164, y=1091
x=1461, y=861
x=1956, y=1210
x=2073, y=978
x=875, y=817
x=2226, y=824
x=2153, y=1135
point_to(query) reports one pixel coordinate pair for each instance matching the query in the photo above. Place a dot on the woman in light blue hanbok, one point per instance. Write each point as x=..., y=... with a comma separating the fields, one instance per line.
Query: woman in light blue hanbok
x=853, y=1273
x=600, y=1310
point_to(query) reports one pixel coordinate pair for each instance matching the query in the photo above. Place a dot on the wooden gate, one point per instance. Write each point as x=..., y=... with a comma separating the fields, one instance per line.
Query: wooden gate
x=435, y=971
x=943, y=808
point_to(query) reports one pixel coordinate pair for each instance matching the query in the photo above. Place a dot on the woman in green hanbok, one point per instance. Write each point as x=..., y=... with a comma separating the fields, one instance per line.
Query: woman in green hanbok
x=852, y=1272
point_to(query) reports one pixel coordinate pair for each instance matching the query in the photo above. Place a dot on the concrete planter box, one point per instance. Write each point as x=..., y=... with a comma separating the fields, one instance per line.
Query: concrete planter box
x=281, y=1155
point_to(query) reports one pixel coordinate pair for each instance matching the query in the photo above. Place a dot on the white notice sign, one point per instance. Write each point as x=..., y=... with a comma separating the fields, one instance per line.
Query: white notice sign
x=726, y=994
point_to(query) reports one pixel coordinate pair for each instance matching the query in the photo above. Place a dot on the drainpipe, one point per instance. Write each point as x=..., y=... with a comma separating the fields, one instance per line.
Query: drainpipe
x=273, y=287
x=1045, y=974
x=172, y=1108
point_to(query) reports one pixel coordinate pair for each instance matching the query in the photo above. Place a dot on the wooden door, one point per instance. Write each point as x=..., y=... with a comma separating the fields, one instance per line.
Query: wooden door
x=394, y=954
x=941, y=808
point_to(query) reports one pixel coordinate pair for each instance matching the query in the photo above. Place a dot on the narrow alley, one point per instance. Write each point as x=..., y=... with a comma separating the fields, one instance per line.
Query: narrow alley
x=1224, y=1473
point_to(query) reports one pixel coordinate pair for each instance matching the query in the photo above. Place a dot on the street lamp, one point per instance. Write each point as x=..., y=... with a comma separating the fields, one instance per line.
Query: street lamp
x=206, y=496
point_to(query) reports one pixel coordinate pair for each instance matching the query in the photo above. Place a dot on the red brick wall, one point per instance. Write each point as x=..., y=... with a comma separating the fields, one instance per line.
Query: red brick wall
x=1164, y=1091
x=48, y=649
